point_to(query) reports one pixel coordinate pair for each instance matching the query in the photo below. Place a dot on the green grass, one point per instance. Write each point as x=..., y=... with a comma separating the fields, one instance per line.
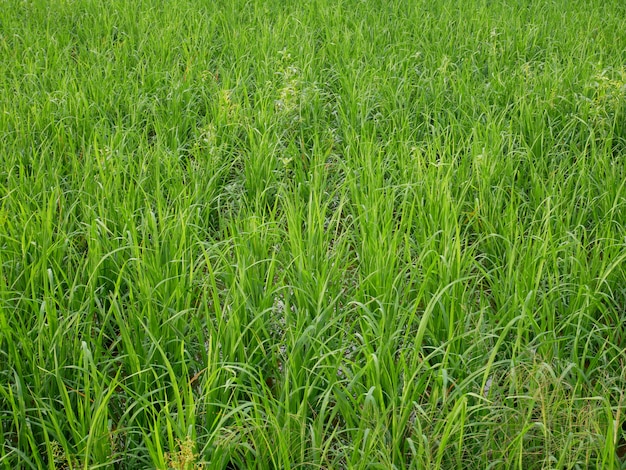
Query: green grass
x=353, y=234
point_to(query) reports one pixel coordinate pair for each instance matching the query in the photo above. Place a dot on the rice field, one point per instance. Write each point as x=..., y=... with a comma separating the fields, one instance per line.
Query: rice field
x=263, y=234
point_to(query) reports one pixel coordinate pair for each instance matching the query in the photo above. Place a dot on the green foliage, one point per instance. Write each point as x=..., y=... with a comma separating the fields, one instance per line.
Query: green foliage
x=283, y=234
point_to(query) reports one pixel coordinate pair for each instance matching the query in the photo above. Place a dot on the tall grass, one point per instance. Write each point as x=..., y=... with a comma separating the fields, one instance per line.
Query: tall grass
x=312, y=234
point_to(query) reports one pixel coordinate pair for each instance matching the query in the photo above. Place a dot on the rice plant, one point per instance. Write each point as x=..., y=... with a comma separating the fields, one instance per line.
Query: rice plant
x=280, y=234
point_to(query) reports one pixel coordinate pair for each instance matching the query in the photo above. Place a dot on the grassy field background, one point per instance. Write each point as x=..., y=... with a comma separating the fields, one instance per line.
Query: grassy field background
x=325, y=234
